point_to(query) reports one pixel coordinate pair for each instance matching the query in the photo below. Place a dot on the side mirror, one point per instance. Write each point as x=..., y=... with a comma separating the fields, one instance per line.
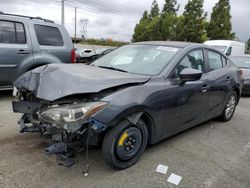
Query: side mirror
x=189, y=74
x=229, y=51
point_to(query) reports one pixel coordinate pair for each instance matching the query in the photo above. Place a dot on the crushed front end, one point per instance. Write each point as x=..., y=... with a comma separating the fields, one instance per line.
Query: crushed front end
x=68, y=122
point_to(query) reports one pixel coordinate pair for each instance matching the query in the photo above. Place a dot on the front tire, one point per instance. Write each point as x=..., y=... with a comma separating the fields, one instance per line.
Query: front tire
x=230, y=107
x=124, y=144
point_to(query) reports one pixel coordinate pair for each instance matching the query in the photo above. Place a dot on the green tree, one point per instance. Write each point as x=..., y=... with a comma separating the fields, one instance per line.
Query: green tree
x=154, y=29
x=194, y=22
x=141, y=29
x=168, y=20
x=170, y=7
x=155, y=11
x=220, y=26
x=179, y=29
x=248, y=46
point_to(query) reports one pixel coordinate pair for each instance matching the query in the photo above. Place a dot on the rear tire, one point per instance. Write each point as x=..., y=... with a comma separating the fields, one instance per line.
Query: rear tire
x=230, y=107
x=124, y=144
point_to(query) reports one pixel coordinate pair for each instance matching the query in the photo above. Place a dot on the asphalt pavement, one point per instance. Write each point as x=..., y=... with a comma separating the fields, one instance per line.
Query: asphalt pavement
x=211, y=155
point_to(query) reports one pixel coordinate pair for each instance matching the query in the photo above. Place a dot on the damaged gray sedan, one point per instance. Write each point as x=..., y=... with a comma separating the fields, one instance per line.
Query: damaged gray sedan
x=136, y=95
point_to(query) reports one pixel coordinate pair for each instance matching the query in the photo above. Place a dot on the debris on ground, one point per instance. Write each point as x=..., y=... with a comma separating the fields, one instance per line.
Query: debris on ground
x=175, y=179
x=162, y=169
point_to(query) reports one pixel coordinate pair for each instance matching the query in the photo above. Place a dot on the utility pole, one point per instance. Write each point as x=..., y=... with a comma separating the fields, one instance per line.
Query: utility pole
x=75, y=22
x=62, y=16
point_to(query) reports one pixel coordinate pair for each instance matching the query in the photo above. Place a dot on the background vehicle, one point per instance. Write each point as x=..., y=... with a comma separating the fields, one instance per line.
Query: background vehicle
x=136, y=95
x=243, y=62
x=30, y=42
x=228, y=47
x=87, y=56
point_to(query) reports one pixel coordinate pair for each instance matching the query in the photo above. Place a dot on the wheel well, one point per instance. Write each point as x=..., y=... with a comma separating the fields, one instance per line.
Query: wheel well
x=238, y=94
x=149, y=123
x=35, y=66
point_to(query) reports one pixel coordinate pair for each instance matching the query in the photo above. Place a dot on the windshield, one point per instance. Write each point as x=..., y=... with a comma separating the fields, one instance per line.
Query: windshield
x=242, y=62
x=138, y=59
x=221, y=48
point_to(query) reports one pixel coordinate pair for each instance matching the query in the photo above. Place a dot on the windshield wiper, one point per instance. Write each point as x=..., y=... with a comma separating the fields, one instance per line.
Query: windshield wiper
x=113, y=68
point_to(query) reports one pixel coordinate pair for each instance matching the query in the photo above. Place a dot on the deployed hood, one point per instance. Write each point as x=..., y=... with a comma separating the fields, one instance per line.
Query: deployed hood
x=52, y=82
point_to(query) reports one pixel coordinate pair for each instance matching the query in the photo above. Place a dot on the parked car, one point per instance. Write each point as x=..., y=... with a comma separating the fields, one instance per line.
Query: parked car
x=136, y=95
x=243, y=62
x=228, y=47
x=30, y=42
x=87, y=56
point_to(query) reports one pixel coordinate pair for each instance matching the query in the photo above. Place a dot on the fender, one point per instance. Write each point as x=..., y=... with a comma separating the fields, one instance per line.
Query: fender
x=133, y=115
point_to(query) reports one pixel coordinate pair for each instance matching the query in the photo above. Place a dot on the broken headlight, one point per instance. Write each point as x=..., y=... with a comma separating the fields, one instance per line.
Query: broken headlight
x=71, y=113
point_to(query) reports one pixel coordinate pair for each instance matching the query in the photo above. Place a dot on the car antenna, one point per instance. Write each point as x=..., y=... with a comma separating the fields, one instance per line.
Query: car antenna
x=87, y=167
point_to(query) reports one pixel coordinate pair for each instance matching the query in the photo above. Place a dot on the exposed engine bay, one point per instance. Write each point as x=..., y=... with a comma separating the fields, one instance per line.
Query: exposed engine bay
x=68, y=124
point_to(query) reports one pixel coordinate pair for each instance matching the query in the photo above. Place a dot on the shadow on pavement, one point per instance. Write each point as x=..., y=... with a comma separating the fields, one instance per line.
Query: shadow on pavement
x=6, y=93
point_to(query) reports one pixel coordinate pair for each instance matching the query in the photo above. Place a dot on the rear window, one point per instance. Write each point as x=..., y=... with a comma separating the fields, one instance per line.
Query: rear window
x=12, y=32
x=49, y=36
x=215, y=61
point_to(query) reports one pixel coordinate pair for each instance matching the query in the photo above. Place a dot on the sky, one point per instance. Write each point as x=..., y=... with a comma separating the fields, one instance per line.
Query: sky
x=115, y=19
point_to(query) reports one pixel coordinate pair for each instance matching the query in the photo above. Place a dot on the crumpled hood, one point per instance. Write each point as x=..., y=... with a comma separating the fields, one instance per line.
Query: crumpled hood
x=54, y=81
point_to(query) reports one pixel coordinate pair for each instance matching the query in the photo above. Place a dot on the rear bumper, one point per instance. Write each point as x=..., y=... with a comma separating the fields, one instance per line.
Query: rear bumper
x=246, y=88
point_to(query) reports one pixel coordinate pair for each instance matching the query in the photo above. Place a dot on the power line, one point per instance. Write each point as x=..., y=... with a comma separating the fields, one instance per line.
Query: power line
x=119, y=6
x=111, y=9
x=86, y=11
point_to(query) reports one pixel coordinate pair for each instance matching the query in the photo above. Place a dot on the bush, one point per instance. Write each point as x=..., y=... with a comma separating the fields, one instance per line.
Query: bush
x=104, y=42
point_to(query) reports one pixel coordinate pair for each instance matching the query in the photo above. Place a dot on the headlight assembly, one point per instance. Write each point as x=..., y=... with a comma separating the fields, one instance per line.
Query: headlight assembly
x=71, y=113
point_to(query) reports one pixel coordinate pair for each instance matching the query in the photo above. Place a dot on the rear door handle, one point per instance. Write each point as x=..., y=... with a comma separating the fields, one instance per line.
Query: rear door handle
x=204, y=88
x=21, y=51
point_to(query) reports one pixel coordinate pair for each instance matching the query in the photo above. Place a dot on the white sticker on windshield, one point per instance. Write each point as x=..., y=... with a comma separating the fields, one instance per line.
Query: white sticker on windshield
x=247, y=62
x=165, y=48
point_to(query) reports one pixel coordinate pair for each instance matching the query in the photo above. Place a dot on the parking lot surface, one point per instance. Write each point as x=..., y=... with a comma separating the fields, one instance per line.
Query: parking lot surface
x=213, y=154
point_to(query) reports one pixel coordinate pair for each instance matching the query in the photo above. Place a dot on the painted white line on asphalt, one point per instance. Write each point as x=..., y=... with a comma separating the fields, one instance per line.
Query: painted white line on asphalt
x=175, y=179
x=162, y=169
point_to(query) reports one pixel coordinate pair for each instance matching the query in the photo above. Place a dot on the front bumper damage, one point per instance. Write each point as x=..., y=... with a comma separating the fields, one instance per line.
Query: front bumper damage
x=65, y=142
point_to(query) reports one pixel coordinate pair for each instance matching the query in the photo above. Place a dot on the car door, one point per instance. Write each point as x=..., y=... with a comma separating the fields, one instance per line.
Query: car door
x=14, y=48
x=187, y=102
x=219, y=80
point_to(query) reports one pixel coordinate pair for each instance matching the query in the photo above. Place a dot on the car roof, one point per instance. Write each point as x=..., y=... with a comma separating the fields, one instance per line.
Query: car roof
x=21, y=18
x=223, y=42
x=167, y=43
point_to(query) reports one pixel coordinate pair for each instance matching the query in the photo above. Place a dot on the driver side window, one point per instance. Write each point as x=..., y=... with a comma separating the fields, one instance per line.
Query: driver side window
x=193, y=60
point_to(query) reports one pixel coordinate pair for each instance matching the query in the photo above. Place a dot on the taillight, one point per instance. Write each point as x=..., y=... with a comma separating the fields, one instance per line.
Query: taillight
x=73, y=55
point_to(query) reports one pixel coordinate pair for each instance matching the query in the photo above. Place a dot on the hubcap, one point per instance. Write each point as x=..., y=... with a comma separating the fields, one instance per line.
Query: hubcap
x=231, y=103
x=129, y=143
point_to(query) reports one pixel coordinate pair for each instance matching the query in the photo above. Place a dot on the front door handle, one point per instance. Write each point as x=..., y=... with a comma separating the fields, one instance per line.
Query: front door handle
x=228, y=79
x=21, y=51
x=204, y=88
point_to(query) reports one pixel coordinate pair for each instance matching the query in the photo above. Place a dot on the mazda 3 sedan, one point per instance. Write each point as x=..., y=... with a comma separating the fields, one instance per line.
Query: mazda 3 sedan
x=136, y=95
